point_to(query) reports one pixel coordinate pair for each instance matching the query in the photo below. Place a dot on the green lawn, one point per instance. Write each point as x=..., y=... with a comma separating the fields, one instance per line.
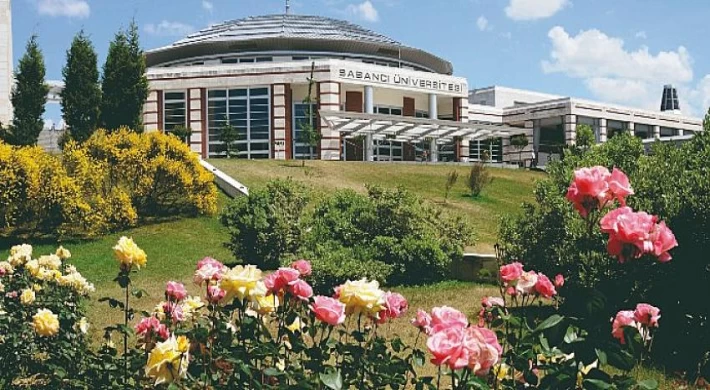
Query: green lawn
x=503, y=196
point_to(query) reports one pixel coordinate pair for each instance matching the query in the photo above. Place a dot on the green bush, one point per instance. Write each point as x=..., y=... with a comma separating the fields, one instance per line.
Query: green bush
x=389, y=235
x=672, y=183
x=268, y=224
x=478, y=178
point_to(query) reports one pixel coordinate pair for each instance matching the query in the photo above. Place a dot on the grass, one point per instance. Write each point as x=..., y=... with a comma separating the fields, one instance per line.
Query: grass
x=502, y=197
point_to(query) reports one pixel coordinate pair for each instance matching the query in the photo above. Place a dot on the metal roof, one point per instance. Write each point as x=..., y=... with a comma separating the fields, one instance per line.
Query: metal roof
x=285, y=26
x=410, y=129
x=293, y=33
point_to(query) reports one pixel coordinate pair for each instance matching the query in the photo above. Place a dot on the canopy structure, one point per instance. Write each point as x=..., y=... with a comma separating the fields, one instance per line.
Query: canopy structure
x=411, y=129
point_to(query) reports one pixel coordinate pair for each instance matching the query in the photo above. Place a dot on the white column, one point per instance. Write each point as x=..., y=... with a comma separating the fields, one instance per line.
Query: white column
x=536, y=135
x=369, y=109
x=631, y=129
x=5, y=61
x=602, y=130
x=656, y=132
x=433, y=114
x=570, y=129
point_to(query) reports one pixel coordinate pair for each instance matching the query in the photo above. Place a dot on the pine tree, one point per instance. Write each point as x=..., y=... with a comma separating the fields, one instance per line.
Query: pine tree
x=124, y=86
x=28, y=97
x=81, y=97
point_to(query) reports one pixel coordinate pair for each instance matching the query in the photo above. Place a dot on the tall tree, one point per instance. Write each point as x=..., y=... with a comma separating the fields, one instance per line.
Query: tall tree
x=124, y=86
x=81, y=97
x=28, y=97
x=309, y=134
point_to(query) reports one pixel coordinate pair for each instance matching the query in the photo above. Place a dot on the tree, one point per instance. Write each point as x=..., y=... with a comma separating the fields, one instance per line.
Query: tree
x=28, y=97
x=228, y=135
x=183, y=133
x=706, y=121
x=451, y=178
x=519, y=142
x=124, y=84
x=81, y=97
x=309, y=134
x=478, y=178
x=585, y=136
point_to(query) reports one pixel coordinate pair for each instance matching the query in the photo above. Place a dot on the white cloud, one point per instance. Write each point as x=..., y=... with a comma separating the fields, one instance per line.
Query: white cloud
x=167, y=28
x=365, y=10
x=207, y=6
x=69, y=8
x=534, y=9
x=611, y=72
x=641, y=35
x=482, y=23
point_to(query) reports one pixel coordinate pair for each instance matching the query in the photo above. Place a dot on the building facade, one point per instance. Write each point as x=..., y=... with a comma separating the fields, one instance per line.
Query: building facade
x=6, y=79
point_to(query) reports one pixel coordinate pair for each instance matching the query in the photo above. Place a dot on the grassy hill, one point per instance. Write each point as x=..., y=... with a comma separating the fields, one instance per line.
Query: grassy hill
x=503, y=196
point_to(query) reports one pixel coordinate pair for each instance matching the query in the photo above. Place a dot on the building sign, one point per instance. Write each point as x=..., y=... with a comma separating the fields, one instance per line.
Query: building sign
x=431, y=84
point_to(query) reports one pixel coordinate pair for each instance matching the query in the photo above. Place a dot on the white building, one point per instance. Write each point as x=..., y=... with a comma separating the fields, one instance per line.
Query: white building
x=5, y=61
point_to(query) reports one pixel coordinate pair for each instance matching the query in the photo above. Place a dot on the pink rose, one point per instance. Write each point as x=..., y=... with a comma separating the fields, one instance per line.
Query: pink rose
x=511, y=272
x=208, y=269
x=422, y=321
x=328, y=310
x=303, y=267
x=336, y=291
x=395, y=306
x=629, y=233
x=174, y=311
x=544, y=287
x=215, y=294
x=559, y=280
x=483, y=349
x=149, y=326
x=447, y=317
x=301, y=289
x=489, y=302
x=279, y=280
x=647, y=315
x=447, y=347
x=623, y=319
x=526, y=284
x=175, y=291
x=663, y=241
x=619, y=186
x=589, y=189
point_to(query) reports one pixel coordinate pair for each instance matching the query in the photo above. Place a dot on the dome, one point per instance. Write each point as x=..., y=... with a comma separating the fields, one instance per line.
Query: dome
x=293, y=33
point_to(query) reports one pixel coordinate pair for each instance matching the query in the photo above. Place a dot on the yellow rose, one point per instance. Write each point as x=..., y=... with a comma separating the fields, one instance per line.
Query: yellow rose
x=129, y=254
x=45, y=323
x=52, y=262
x=190, y=305
x=501, y=371
x=27, y=297
x=37, y=287
x=20, y=254
x=266, y=304
x=362, y=296
x=2, y=287
x=63, y=253
x=32, y=267
x=241, y=282
x=78, y=282
x=168, y=361
x=6, y=268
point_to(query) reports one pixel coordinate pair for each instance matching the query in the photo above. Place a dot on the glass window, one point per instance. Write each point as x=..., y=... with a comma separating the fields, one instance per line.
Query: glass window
x=614, y=128
x=174, y=110
x=301, y=118
x=643, y=131
x=493, y=147
x=668, y=132
x=248, y=110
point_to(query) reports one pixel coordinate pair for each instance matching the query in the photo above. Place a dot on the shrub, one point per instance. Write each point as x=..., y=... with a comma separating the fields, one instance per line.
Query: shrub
x=451, y=178
x=584, y=137
x=671, y=183
x=478, y=179
x=268, y=224
x=159, y=172
x=37, y=196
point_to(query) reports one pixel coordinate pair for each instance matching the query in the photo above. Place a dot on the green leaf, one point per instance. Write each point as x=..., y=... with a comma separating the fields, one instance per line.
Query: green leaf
x=596, y=384
x=550, y=322
x=648, y=384
x=571, y=335
x=601, y=355
x=621, y=360
x=332, y=380
x=271, y=371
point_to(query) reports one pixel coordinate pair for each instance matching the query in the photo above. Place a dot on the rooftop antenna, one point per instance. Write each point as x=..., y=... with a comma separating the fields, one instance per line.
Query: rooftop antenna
x=288, y=7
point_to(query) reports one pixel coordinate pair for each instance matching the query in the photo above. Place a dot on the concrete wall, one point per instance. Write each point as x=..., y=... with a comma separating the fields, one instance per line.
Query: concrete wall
x=501, y=97
x=5, y=61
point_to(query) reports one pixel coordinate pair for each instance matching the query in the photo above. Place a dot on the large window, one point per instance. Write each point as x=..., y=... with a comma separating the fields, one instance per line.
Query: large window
x=643, y=131
x=301, y=150
x=493, y=148
x=668, y=132
x=174, y=110
x=614, y=128
x=248, y=111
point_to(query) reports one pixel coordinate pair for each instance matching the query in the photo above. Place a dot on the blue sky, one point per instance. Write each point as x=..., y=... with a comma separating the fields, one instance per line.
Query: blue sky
x=608, y=50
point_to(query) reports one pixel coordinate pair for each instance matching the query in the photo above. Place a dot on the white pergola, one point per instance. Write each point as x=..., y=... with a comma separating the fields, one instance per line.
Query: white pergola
x=411, y=129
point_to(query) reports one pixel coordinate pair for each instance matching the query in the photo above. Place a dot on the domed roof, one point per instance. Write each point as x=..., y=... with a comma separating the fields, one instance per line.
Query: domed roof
x=293, y=33
x=285, y=26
